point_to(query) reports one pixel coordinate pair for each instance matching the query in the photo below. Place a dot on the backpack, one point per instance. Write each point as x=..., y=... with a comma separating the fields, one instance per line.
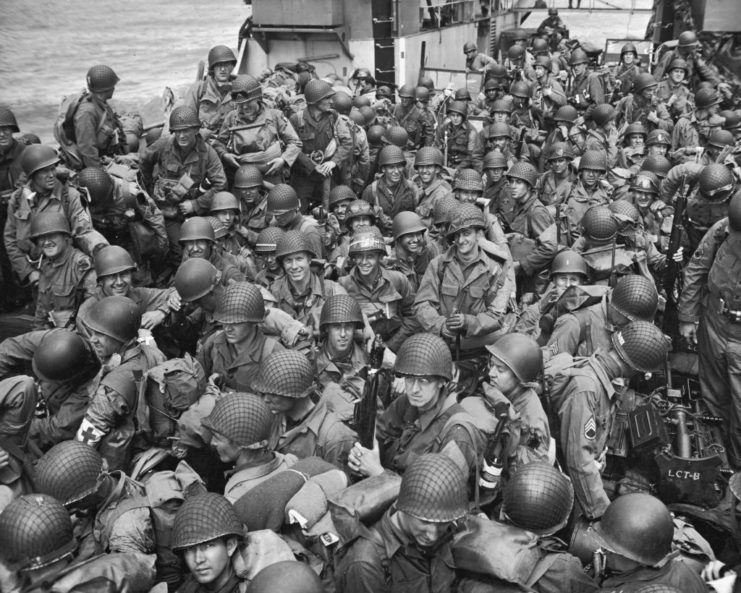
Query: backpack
x=165, y=392
x=64, y=129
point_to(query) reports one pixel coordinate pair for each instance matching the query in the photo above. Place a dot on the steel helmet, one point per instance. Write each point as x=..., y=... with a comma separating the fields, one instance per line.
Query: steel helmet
x=540, y=45
x=553, y=12
x=628, y=47
x=624, y=212
x=520, y=353
x=406, y=223
x=494, y=160
x=443, y=209
x=645, y=181
x=357, y=117
x=287, y=576
x=643, y=81
x=428, y=155
x=467, y=216
x=687, y=39
x=243, y=418
x=733, y=119
x=267, y=239
x=342, y=102
x=113, y=259
x=220, y=231
x=497, y=71
x=706, y=97
x=367, y=240
x=375, y=135
x=524, y=171
x=542, y=60
x=679, y=64
x=341, y=308
x=282, y=198
x=492, y=84
x=422, y=94
x=293, y=242
x=462, y=94
x=245, y=88
x=70, y=471
x=460, y=107
x=424, y=355
x=603, y=113
x=224, y=200
x=501, y=106
x=184, y=118
x=240, y=302
x=469, y=46
x=316, y=90
x=566, y=114
x=406, y=91
x=468, y=180
x=195, y=278
x=391, y=155
x=287, y=373
x=48, y=222
x=637, y=526
x=569, y=262
x=720, y=138
x=433, y=489
x=202, y=518
x=599, y=224
x=7, y=119
x=538, y=498
x=101, y=78
x=520, y=88
x=64, y=356
x=397, y=136
x=635, y=297
x=361, y=73
x=98, y=183
x=515, y=52
x=426, y=82
x=658, y=137
x=498, y=129
x=642, y=346
x=247, y=176
x=560, y=150
x=197, y=228
x=636, y=128
x=341, y=193
x=578, y=56
x=37, y=157
x=657, y=164
x=361, y=101
x=35, y=531
x=716, y=180
x=359, y=208
x=520, y=35
x=116, y=317
x=220, y=54
x=594, y=160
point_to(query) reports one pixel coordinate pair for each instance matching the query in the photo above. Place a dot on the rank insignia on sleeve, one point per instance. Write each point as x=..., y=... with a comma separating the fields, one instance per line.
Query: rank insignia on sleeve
x=590, y=429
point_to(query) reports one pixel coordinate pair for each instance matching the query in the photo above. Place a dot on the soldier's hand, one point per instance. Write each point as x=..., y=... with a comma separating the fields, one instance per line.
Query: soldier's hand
x=231, y=159
x=365, y=461
x=657, y=206
x=275, y=166
x=186, y=207
x=712, y=570
x=173, y=301
x=653, y=117
x=689, y=332
x=325, y=169
x=33, y=277
x=151, y=319
x=456, y=323
x=678, y=255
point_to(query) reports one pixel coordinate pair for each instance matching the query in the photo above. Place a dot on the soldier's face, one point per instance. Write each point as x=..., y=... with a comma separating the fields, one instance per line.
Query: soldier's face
x=425, y=533
x=456, y=118
x=412, y=242
x=185, y=139
x=393, y=173
x=6, y=137
x=53, y=245
x=237, y=333
x=247, y=195
x=267, y=260
x=539, y=72
x=367, y=263
x=502, y=377
x=199, y=248
x=227, y=451
x=494, y=175
x=467, y=196
x=248, y=110
x=642, y=199
x=297, y=266
x=564, y=281
x=340, y=210
x=227, y=217
x=501, y=117
x=358, y=222
x=467, y=241
x=222, y=71
x=427, y=173
x=339, y=338
x=635, y=140
x=406, y=102
x=658, y=149
x=116, y=284
x=579, y=69
x=677, y=75
x=104, y=346
x=559, y=165
x=500, y=143
x=43, y=179
x=279, y=404
x=590, y=177
x=324, y=105
x=422, y=392
x=519, y=189
x=208, y=561
x=628, y=58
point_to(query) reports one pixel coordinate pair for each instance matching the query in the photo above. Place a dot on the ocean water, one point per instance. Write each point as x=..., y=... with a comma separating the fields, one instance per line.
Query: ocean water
x=46, y=48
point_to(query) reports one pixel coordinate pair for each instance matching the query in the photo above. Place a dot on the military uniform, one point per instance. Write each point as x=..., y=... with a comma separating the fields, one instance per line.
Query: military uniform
x=253, y=221
x=532, y=220
x=696, y=72
x=355, y=172
x=690, y=132
x=585, y=90
x=392, y=200
x=416, y=125
x=634, y=108
x=582, y=332
x=310, y=230
x=97, y=131
x=552, y=190
x=428, y=196
x=336, y=370
x=243, y=479
x=579, y=201
x=675, y=573
x=501, y=205
x=677, y=97
x=597, y=140
x=211, y=105
x=462, y=145
x=306, y=308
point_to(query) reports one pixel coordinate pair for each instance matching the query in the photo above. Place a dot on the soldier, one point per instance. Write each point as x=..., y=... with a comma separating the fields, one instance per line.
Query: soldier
x=563, y=120
x=409, y=549
x=226, y=209
x=691, y=132
x=38, y=542
x=96, y=128
x=198, y=240
x=428, y=163
x=546, y=93
x=441, y=215
x=583, y=332
x=626, y=71
x=496, y=188
x=458, y=139
x=658, y=143
x=643, y=105
x=255, y=134
x=407, y=115
x=268, y=268
x=113, y=324
x=585, y=88
x=66, y=274
x=283, y=206
x=236, y=352
x=654, y=215
x=493, y=90
x=498, y=136
x=365, y=84
x=240, y=425
x=300, y=426
x=554, y=186
x=584, y=407
x=475, y=61
x=43, y=192
x=673, y=89
x=357, y=168
x=698, y=69
x=211, y=97
x=635, y=538
x=585, y=193
x=392, y=192
x=299, y=291
x=709, y=315
x=385, y=296
x=327, y=145
x=604, y=136
x=185, y=165
x=208, y=533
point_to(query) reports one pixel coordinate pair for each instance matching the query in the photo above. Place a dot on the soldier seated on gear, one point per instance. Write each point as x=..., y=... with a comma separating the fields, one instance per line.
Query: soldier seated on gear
x=268, y=268
x=635, y=537
x=290, y=576
x=38, y=544
x=515, y=364
x=426, y=419
x=283, y=208
x=236, y=352
x=428, y=162
x=585, y=403
x=385, y=296
x=412, y=541
x=208, y=533
x=537, y=503
x=303, y=425
x=240, y=425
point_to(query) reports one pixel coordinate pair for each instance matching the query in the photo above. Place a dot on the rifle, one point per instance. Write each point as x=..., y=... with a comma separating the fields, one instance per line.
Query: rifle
x=673, y=269
x=377, y=388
